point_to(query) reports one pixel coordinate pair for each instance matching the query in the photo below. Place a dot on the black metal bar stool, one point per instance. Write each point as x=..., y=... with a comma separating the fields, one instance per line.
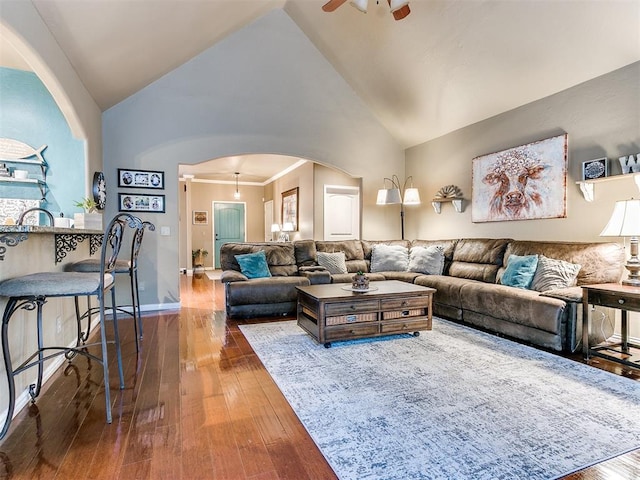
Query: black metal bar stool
x=129, y=267
x=30, y=292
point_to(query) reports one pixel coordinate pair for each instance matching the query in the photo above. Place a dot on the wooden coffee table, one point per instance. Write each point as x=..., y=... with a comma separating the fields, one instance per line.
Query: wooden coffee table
x=334, y=312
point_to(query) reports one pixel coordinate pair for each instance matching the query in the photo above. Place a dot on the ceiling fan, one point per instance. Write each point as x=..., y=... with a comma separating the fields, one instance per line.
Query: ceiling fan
x=399, y=8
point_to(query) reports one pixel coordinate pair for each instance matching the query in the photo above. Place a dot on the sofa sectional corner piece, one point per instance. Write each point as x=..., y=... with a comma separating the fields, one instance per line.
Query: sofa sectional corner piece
x=468, y=290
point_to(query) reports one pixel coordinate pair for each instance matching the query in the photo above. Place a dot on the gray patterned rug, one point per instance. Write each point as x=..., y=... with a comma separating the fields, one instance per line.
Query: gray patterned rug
x=453, y=403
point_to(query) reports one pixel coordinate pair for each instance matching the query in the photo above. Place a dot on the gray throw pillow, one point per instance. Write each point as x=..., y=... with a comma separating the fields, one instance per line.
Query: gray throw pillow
x=428, y=260
x=333, y=262
x=389, y=258
x=552, y=274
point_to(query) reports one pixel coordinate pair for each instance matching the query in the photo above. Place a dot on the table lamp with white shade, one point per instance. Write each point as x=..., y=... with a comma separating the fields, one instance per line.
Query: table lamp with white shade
x=625, y=222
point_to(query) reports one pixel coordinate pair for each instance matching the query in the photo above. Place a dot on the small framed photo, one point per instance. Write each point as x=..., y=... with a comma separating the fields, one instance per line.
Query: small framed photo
x=598, y=168
x=135, y=202
x=200, y=217
x=140, y=179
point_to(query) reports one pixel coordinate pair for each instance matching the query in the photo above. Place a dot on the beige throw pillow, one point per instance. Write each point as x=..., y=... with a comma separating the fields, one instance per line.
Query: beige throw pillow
x=428, y=260
x=333, y=262
x=553, y=274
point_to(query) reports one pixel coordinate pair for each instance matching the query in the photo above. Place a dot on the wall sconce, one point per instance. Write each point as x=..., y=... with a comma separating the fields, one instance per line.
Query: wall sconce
x=236, y=195
x=449, y=193
x=625, y=222
x=398, y=195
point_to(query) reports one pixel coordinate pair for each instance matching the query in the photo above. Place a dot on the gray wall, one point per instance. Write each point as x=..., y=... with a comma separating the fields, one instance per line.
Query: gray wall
x=264, y=89
x=602, y=119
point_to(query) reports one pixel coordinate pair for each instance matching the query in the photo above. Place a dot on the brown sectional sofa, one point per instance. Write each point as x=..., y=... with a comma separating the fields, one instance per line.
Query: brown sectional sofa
x=468, y=290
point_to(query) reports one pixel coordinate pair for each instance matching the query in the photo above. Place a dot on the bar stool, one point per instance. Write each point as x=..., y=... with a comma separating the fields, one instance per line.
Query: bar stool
x=30, y=292
x=129, y=267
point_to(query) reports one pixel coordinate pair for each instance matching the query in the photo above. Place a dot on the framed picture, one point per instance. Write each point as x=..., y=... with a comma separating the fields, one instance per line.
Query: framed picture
x=140, y=179
x=595, y=169
x=522, y=183
x=200, y=217
x=290, y=208
x=135, y=202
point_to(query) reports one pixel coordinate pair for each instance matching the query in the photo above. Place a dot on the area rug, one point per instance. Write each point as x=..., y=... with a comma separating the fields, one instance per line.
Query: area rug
x=453, y=403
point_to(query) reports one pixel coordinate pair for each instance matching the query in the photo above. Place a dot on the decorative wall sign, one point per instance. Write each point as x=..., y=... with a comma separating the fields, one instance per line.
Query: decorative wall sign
x=290, y=208
x=200, y=217
x=135, y=202
x=140, y=179
x=598, y=168
x=521, y=183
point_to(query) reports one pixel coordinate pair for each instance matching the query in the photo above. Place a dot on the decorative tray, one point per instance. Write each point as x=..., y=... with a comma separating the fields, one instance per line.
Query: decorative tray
x=351, y=289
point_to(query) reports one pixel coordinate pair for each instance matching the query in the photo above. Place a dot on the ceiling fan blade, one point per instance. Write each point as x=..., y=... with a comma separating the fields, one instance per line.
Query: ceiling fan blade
x=403, y=12
x=331, y=5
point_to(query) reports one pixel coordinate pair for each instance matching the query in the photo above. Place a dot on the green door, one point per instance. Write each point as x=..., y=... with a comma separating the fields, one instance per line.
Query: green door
x=228, y=225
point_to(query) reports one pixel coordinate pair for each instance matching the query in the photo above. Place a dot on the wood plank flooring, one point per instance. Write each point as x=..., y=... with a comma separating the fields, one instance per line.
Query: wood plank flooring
x=197, y=405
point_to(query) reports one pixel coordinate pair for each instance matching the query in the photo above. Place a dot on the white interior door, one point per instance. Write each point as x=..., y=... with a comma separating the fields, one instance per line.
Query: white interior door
x=341, y=212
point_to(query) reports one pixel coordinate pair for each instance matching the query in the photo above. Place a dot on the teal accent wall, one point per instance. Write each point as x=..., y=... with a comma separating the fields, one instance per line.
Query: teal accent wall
x=29, y=114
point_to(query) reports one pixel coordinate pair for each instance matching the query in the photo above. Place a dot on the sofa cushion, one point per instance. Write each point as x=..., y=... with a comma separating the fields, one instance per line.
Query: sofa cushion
x=514, y=305
x=601, y=262
x=478, y=258
x=389, y=258
x=254, y=265
x=348, y=277
x=305, y=252
x=333, y=262
x=520, y=271
x=428, y=260
x=553, y=274
x=280, y=256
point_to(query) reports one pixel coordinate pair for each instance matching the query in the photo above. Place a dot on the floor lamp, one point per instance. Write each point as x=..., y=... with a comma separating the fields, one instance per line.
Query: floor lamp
x=398, y=194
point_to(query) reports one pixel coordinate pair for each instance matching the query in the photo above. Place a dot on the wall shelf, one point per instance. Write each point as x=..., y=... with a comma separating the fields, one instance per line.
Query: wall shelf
x=456, y=201
x=41, y=183
x=588, y=186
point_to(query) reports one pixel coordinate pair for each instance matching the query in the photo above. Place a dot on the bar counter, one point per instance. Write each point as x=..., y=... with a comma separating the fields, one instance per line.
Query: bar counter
x=65, y=239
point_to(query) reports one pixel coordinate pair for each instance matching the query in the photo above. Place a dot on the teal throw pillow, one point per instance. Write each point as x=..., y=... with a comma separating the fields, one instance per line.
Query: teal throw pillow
x=520, y=271
x=254, y=265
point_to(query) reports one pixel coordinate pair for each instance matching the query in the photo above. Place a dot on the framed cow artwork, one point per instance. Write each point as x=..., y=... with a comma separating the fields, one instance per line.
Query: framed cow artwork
x=522, y=183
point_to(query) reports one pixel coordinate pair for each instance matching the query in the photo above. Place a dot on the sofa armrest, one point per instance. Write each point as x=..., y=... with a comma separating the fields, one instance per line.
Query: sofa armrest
x=316, y=275
x=228, y=276
x=570, y=295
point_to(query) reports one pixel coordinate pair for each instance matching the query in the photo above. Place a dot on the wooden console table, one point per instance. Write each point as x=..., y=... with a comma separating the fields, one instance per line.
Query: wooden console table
x=614, y=295
x=331, y=312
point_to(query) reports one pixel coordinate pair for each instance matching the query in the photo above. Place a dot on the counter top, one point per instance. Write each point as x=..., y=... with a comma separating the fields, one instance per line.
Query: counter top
x=46, y=229
x=66, y=239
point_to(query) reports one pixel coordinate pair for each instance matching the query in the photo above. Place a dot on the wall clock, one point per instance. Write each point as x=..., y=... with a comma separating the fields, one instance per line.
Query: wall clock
x=99, y=190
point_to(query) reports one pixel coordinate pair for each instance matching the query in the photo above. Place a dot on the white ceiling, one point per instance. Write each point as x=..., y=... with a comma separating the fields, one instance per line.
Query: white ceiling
x=449, y=64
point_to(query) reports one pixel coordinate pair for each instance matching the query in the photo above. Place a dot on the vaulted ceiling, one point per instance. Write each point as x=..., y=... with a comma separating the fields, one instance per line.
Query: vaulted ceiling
x=449, y=64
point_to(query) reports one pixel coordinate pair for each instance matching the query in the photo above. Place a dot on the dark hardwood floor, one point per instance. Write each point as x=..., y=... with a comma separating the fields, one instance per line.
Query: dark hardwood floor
x=198, y=405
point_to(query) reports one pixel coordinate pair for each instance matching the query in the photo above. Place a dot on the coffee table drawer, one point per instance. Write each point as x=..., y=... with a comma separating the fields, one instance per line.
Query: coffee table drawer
x=406, y=326
x=352, y=318
x=346, y=308
x=403, y=303
x=351, y=331
x=412, y=312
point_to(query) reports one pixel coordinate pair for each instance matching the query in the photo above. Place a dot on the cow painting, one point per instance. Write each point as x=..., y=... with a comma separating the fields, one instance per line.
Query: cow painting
x=521, y=183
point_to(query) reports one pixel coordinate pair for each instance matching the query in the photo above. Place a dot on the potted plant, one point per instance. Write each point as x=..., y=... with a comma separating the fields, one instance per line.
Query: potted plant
x=90, y=219
x=360, y=281
x=198, y=256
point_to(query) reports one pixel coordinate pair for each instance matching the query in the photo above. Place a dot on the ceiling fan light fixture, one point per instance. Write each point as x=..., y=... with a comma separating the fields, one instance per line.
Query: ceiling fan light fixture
x=398, y=4
x=360, y=5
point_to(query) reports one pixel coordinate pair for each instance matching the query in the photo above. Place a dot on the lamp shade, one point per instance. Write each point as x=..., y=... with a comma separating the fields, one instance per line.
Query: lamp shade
x=382, y=197
x=287, y=227
x=393, y=196
x=360, y=5
x=411, y=196
x=624, y=221
x=398, y=4
x=275, y=227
